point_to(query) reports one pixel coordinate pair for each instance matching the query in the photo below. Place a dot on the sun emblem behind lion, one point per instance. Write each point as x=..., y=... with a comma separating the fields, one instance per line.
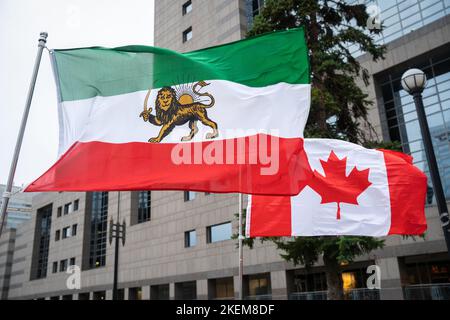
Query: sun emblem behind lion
x=178, y=106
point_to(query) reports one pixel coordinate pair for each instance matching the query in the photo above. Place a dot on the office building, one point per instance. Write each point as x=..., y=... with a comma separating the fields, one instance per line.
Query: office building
x=178, y=244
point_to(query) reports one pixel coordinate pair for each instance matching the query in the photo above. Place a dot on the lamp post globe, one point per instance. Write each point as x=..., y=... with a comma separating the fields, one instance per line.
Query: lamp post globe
x=414, y=81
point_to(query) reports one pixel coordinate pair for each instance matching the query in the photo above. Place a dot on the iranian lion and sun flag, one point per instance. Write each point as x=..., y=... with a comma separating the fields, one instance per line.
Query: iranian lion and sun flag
x=228, y=118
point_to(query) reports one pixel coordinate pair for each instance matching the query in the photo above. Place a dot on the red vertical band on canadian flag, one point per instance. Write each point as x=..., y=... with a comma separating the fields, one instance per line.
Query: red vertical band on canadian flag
x=407, y=189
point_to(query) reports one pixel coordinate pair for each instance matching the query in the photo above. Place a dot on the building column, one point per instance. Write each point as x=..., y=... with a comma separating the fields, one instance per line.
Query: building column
x=109, y=295
x=279, y=285
x=145, y=292
x=391, y=286
x=172, y=291
x=236, y=287
x=202, y=289
x=126, y=293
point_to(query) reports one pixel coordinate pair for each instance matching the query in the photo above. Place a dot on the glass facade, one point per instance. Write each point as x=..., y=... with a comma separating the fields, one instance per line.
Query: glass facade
x=99, y=226
x=43, y=232
x=401, y=116
x=400, y=17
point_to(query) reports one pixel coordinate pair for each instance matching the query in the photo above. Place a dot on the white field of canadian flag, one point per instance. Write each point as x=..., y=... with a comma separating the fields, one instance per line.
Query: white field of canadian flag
x=352, y=191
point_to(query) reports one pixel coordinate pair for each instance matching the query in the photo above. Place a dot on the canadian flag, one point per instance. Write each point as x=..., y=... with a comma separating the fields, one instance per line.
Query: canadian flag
x=351, y=191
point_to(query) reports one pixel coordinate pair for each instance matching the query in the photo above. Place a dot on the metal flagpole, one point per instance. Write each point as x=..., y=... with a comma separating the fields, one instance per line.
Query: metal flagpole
x=241, y=250
x=12, y=170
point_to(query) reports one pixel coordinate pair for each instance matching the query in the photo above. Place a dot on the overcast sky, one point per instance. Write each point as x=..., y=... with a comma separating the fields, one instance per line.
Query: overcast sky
x=70, y=24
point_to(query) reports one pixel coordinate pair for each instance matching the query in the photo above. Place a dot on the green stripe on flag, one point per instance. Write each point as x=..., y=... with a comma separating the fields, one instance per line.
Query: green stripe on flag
x=257, y=62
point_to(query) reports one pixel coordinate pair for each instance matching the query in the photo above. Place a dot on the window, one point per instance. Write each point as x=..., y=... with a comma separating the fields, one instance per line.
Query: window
x=42, y=242
x=190, y=239
x=259, y=284
x=222, y=288
x=76, y=205
x=68, y=208
x=253, y=8
x=307, y=282
x=57, y=235
x=55, y=267
x=427, y=269
x=160, y=292
x=315, y=281
x=207, y=193
x=144, y=206
x=186, y=290
x=63, y=265
x=187, y=34
x=74, y=230
x=187, y=7
x=83, y=296
x=189, y=195
x=98, y=233
x=66, y=232
x=72, y=261
x=135, y=293
x=59, y=212
x=218, y=232
x=256, y=6
x=99, y=295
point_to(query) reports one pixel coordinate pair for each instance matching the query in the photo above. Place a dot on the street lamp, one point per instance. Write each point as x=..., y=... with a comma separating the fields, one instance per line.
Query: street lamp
x=413, y=82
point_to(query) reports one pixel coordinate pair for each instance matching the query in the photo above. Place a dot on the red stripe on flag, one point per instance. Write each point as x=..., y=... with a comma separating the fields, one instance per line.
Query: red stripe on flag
x=407, y=189
x=100, y=166
x=270, y=216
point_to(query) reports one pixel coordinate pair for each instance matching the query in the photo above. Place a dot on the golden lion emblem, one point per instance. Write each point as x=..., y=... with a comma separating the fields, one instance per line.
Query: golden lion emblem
x=175, y=110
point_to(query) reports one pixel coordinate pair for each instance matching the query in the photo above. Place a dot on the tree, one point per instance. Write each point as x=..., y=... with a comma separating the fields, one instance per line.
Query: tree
x=339, y=107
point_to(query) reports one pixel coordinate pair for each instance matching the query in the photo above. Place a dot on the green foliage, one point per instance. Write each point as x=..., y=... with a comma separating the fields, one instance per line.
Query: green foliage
x=338, y=105
x=339, y=108
x=388, y=145
x=307, y=250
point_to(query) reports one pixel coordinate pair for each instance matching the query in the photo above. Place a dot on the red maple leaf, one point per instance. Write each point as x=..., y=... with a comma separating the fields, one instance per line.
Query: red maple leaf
x=335, y=186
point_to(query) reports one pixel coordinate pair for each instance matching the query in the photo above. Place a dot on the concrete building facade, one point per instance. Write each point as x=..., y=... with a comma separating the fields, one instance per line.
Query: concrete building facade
x=178, y=244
